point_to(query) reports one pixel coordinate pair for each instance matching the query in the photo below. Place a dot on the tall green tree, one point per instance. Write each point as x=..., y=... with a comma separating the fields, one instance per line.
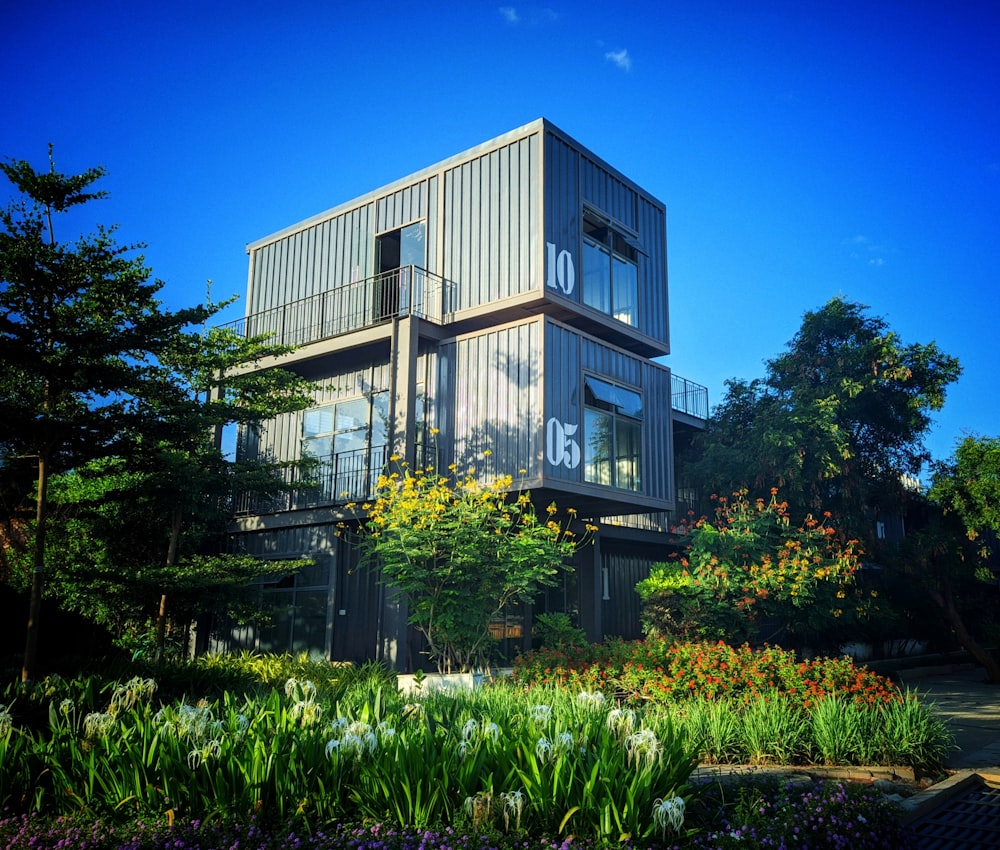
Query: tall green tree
x=80, y=328
x=839, y=418
x=952, y=556
x=154, y=519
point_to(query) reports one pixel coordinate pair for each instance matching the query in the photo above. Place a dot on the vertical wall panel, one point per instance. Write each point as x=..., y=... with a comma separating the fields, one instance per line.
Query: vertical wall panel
x=487, y=260
x=487, y=398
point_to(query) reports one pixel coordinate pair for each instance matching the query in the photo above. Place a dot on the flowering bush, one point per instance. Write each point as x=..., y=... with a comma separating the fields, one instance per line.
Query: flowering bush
x=462, y=552
x=748, y=564
x=772, y=707
x=658, y=670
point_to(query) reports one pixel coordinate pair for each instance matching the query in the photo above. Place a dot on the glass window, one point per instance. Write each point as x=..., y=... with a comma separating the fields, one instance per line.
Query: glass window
x=612, y=425
x=610, y=271
x=338, y=437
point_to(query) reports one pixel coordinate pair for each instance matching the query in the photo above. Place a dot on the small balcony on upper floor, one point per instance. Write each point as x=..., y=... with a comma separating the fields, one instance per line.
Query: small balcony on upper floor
x=350, y=307
x=689, y=401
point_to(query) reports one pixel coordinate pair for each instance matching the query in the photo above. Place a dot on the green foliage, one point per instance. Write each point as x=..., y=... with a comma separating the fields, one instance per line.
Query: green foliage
x=563, y=765
x=122, y=398
x=558, y=630
x=462, y=552
x=968, y=486
x=751, y=564
x=755, y=706
x=837, y=419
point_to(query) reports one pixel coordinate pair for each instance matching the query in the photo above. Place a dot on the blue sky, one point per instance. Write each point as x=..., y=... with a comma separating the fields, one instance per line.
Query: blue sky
x=803, y=150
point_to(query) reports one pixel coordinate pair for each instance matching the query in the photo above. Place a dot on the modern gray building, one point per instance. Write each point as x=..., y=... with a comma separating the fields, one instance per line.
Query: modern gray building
x=512, y=298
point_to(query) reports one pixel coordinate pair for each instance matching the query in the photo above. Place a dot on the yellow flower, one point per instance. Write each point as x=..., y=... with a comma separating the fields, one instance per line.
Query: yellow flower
x=435, y=431
x=487, y=453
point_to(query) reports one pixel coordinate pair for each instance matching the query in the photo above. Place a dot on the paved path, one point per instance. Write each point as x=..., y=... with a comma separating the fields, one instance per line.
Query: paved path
x=969, y=705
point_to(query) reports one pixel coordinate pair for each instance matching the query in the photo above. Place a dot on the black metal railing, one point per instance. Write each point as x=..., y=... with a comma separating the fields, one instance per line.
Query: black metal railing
x=688, y=397
x=335, y=480
x=347, y=307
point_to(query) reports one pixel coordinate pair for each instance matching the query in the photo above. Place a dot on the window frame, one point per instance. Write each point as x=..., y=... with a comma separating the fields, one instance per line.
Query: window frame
x=611, y=400
x=619, y=246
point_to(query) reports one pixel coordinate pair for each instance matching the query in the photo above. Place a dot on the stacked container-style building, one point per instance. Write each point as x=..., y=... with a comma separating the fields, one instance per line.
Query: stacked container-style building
x=503, y=310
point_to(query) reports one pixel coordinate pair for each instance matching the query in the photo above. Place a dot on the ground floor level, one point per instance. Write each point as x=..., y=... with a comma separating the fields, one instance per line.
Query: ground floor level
x=337, y=607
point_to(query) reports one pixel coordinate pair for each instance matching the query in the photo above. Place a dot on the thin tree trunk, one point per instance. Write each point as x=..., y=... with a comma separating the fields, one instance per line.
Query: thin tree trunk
x=983, y=656
x=37, y=574
x=161, y=616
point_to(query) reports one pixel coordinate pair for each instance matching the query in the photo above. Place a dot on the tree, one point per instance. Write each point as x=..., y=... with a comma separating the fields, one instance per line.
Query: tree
x=150, y=526
x=950, y=556
x=837, y=422
x=462, y=552
x=80, y=328
x=751, y=566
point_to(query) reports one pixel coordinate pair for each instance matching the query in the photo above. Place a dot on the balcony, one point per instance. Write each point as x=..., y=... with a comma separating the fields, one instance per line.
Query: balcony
x=335, y=480
x=688, y=397
x=348, y=307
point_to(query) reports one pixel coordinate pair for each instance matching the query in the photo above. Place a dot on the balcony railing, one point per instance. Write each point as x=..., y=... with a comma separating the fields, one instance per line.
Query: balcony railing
x=689, y=397
x=335, y=480
x=347, y=307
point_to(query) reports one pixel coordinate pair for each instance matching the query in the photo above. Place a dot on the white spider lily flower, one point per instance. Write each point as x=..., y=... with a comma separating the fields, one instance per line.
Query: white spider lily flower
x=621, y=720
x=306, y=712
x=6, y=724
x=565, y=742
x=67, y=707
x=332, y=747
x=134, y=690
x=643, y=746
x=668, y=811
x=359, y=728
x=97, y=724
x=541, y=713
x=544, y=749
x=590, y=699
x=470, y=728
x=492, y=731
x=513, y=804
x=338, y=723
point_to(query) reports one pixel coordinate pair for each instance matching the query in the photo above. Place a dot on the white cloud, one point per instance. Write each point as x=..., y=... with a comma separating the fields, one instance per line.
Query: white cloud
x=862, y=248
x=509, y=14
x=620, y=58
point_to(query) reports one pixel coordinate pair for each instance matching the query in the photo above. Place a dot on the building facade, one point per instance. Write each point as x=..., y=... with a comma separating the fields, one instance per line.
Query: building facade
x=502, y=309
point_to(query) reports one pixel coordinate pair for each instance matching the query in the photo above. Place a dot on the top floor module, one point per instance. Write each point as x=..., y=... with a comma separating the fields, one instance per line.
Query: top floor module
x=529, y=223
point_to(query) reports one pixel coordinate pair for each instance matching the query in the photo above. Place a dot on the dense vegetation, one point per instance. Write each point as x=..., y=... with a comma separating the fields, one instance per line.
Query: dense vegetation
x=335, y=750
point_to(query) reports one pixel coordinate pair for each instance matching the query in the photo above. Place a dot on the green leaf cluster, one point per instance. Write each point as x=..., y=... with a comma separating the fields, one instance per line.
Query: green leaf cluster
x=462, y=552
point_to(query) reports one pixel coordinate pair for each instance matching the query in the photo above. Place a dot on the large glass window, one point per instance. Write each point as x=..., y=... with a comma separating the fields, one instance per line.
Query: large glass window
x=612, y=423
x=610, y=271
x=346, y=439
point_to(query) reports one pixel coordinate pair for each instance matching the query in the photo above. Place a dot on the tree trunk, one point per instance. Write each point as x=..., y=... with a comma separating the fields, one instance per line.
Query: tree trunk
x=37, y=574
x=983, y=656
x=161, y=616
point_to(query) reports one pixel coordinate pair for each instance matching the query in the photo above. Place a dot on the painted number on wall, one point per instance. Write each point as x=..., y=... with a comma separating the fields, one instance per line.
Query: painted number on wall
x=559, y=447
x=560, y=271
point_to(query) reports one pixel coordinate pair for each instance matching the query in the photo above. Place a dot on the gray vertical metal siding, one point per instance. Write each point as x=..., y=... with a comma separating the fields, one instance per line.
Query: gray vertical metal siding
x=487, y=398
x=608, y=193
x=654, y=309
x=311, y=260
x=401, y=207
x=490, y=230
x=574, y=179
x=563, y=205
